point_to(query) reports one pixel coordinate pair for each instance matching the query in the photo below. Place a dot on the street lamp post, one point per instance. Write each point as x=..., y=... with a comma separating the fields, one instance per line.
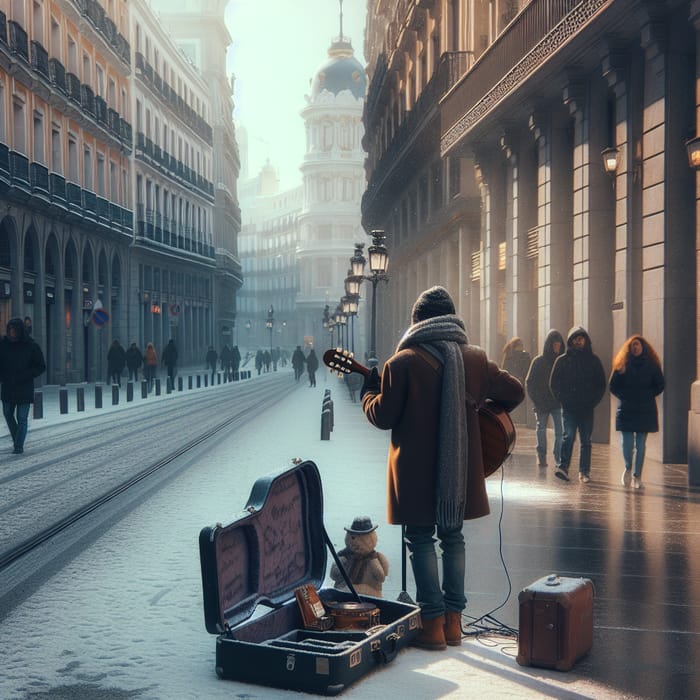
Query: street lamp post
x=269, y=324
x=378, y=264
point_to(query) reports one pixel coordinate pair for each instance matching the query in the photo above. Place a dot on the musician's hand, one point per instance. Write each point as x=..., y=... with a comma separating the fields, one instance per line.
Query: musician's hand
x=372, y=383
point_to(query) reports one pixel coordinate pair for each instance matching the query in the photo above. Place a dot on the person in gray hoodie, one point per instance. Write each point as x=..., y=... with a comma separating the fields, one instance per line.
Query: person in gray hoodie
x=578, y=382
x=546, y=406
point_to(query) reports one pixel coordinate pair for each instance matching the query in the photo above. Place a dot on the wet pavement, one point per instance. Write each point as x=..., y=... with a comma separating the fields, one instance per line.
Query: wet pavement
x=124, y=617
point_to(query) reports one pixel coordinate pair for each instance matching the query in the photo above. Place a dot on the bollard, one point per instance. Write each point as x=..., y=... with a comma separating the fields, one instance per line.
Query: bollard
x=168, y=386
x=80, y=398
x=98, y=395
x=199, y=382
x=115, y=394
x=144, y=388
x=158, y=387
x=179, y=383
x=129, y=391
x=38, y=405
x=218, y=377
x=63, y=400
x=325, y=424
x=189, y=382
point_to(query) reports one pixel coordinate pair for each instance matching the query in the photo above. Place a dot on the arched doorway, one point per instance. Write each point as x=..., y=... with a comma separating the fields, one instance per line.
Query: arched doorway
x=51, y=309
x=8, y=264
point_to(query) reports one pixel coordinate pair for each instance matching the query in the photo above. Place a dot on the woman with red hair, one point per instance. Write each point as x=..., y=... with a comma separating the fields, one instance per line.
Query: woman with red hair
x=637, y=379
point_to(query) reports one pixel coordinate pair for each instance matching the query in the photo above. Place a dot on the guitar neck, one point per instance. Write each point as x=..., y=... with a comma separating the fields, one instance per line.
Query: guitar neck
x=341, y=361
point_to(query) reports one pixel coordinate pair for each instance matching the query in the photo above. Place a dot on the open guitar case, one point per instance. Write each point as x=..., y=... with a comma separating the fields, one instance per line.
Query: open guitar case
x=276, y=546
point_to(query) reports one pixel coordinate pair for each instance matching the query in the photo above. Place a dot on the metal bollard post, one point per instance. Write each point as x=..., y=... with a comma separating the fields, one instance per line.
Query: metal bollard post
x=158, y=387
x=168, y=386
x=206, y=380
x=189, y=382
x=98, y=395
x=115, y=394
x=144, y=388
x=63, y=400
x=38, y=405
x=218, y=377
x=199, y=381
x=80, y=399
x=179, y=383
x=325, y=424
x=129, y=391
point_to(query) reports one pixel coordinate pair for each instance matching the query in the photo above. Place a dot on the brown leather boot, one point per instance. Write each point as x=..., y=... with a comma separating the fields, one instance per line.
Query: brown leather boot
x=432, y=636
x=453, y=628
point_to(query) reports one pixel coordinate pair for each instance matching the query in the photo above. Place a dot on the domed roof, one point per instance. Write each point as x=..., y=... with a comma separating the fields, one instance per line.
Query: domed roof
x=342, y=71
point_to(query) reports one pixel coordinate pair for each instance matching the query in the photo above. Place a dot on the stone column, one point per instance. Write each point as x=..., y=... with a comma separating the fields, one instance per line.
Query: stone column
x=593, y=225
x=694, y=412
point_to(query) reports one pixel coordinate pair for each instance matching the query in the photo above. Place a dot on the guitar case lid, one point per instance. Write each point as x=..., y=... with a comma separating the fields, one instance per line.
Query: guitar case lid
x=272, y=548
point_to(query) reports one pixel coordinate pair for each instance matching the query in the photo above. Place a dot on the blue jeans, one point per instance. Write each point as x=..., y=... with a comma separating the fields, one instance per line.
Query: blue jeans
x=17, y=427
x=433, y=599
x=583, y=422
x=541, y=433
x=638, y=442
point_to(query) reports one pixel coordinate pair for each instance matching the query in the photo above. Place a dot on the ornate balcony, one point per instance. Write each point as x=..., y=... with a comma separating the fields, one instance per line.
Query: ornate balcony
x=18, y=40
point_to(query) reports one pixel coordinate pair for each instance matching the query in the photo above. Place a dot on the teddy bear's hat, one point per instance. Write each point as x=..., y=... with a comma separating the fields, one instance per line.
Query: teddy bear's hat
x=361, y=526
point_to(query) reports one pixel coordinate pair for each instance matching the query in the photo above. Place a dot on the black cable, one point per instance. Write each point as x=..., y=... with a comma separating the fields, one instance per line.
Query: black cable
x=487, y=624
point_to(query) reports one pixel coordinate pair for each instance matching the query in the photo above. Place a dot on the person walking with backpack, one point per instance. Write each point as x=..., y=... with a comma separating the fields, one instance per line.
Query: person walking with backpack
x=578, y=382
x=636, y=380
x=546, y=406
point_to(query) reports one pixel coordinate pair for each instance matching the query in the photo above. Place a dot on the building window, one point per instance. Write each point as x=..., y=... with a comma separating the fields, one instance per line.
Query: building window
x=100, y=175
x=18, y=126
x=56, y=152
x=87, y=169
x=38, y=153
x=73, y=159
x=3, y=136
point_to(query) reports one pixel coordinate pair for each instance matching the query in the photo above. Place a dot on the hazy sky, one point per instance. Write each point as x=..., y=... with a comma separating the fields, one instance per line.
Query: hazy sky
x=277, y=48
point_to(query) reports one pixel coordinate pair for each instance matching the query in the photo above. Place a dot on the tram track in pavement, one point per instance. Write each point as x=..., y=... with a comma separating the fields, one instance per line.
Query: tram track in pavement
x=190, y=435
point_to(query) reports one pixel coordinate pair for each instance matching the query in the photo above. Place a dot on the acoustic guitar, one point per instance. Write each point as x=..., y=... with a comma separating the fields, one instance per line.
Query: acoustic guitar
x=495, y=425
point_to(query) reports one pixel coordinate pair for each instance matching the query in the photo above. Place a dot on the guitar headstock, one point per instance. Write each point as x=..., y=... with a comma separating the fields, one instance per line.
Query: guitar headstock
x=342, y=362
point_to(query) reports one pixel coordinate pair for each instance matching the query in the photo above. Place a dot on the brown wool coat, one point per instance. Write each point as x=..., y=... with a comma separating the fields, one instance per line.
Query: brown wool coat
x=408, y=404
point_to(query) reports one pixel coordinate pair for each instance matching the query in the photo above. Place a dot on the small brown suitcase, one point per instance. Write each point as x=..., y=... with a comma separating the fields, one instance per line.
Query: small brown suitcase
x=556, y=622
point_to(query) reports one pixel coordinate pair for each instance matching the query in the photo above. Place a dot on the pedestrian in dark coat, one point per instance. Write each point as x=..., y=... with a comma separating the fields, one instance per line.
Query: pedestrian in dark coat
x=516, y=361
x=21, y=360
x=235, y=360
x=637, y=379
x=546, y=406
x=435, y=468
x=134, y=360
x=298, y=362
x=211, y=358
x=116, y=361
x=225, y=359
x=578, y=382
x=259, y=360
x=169, y=359
x=312, y=366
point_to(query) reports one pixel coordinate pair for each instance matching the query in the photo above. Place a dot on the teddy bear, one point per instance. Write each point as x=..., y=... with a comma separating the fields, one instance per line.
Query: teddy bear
x=366, y=568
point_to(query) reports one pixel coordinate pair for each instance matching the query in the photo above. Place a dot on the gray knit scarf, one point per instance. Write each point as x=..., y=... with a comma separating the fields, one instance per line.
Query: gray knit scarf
x=442, y=336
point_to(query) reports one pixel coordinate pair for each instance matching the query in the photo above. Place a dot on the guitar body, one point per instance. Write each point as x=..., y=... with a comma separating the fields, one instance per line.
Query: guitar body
x=496, y=427
x=497, y=436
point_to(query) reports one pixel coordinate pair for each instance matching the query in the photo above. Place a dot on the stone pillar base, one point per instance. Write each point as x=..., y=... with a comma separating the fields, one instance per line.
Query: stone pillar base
x=694, y=435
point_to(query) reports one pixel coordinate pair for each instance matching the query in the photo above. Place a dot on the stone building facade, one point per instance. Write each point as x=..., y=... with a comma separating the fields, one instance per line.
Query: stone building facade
x=107, y=169
x=485, y=126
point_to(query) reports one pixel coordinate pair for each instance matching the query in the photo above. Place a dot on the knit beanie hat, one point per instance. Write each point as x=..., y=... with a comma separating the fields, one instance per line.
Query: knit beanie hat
x=435, y=301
